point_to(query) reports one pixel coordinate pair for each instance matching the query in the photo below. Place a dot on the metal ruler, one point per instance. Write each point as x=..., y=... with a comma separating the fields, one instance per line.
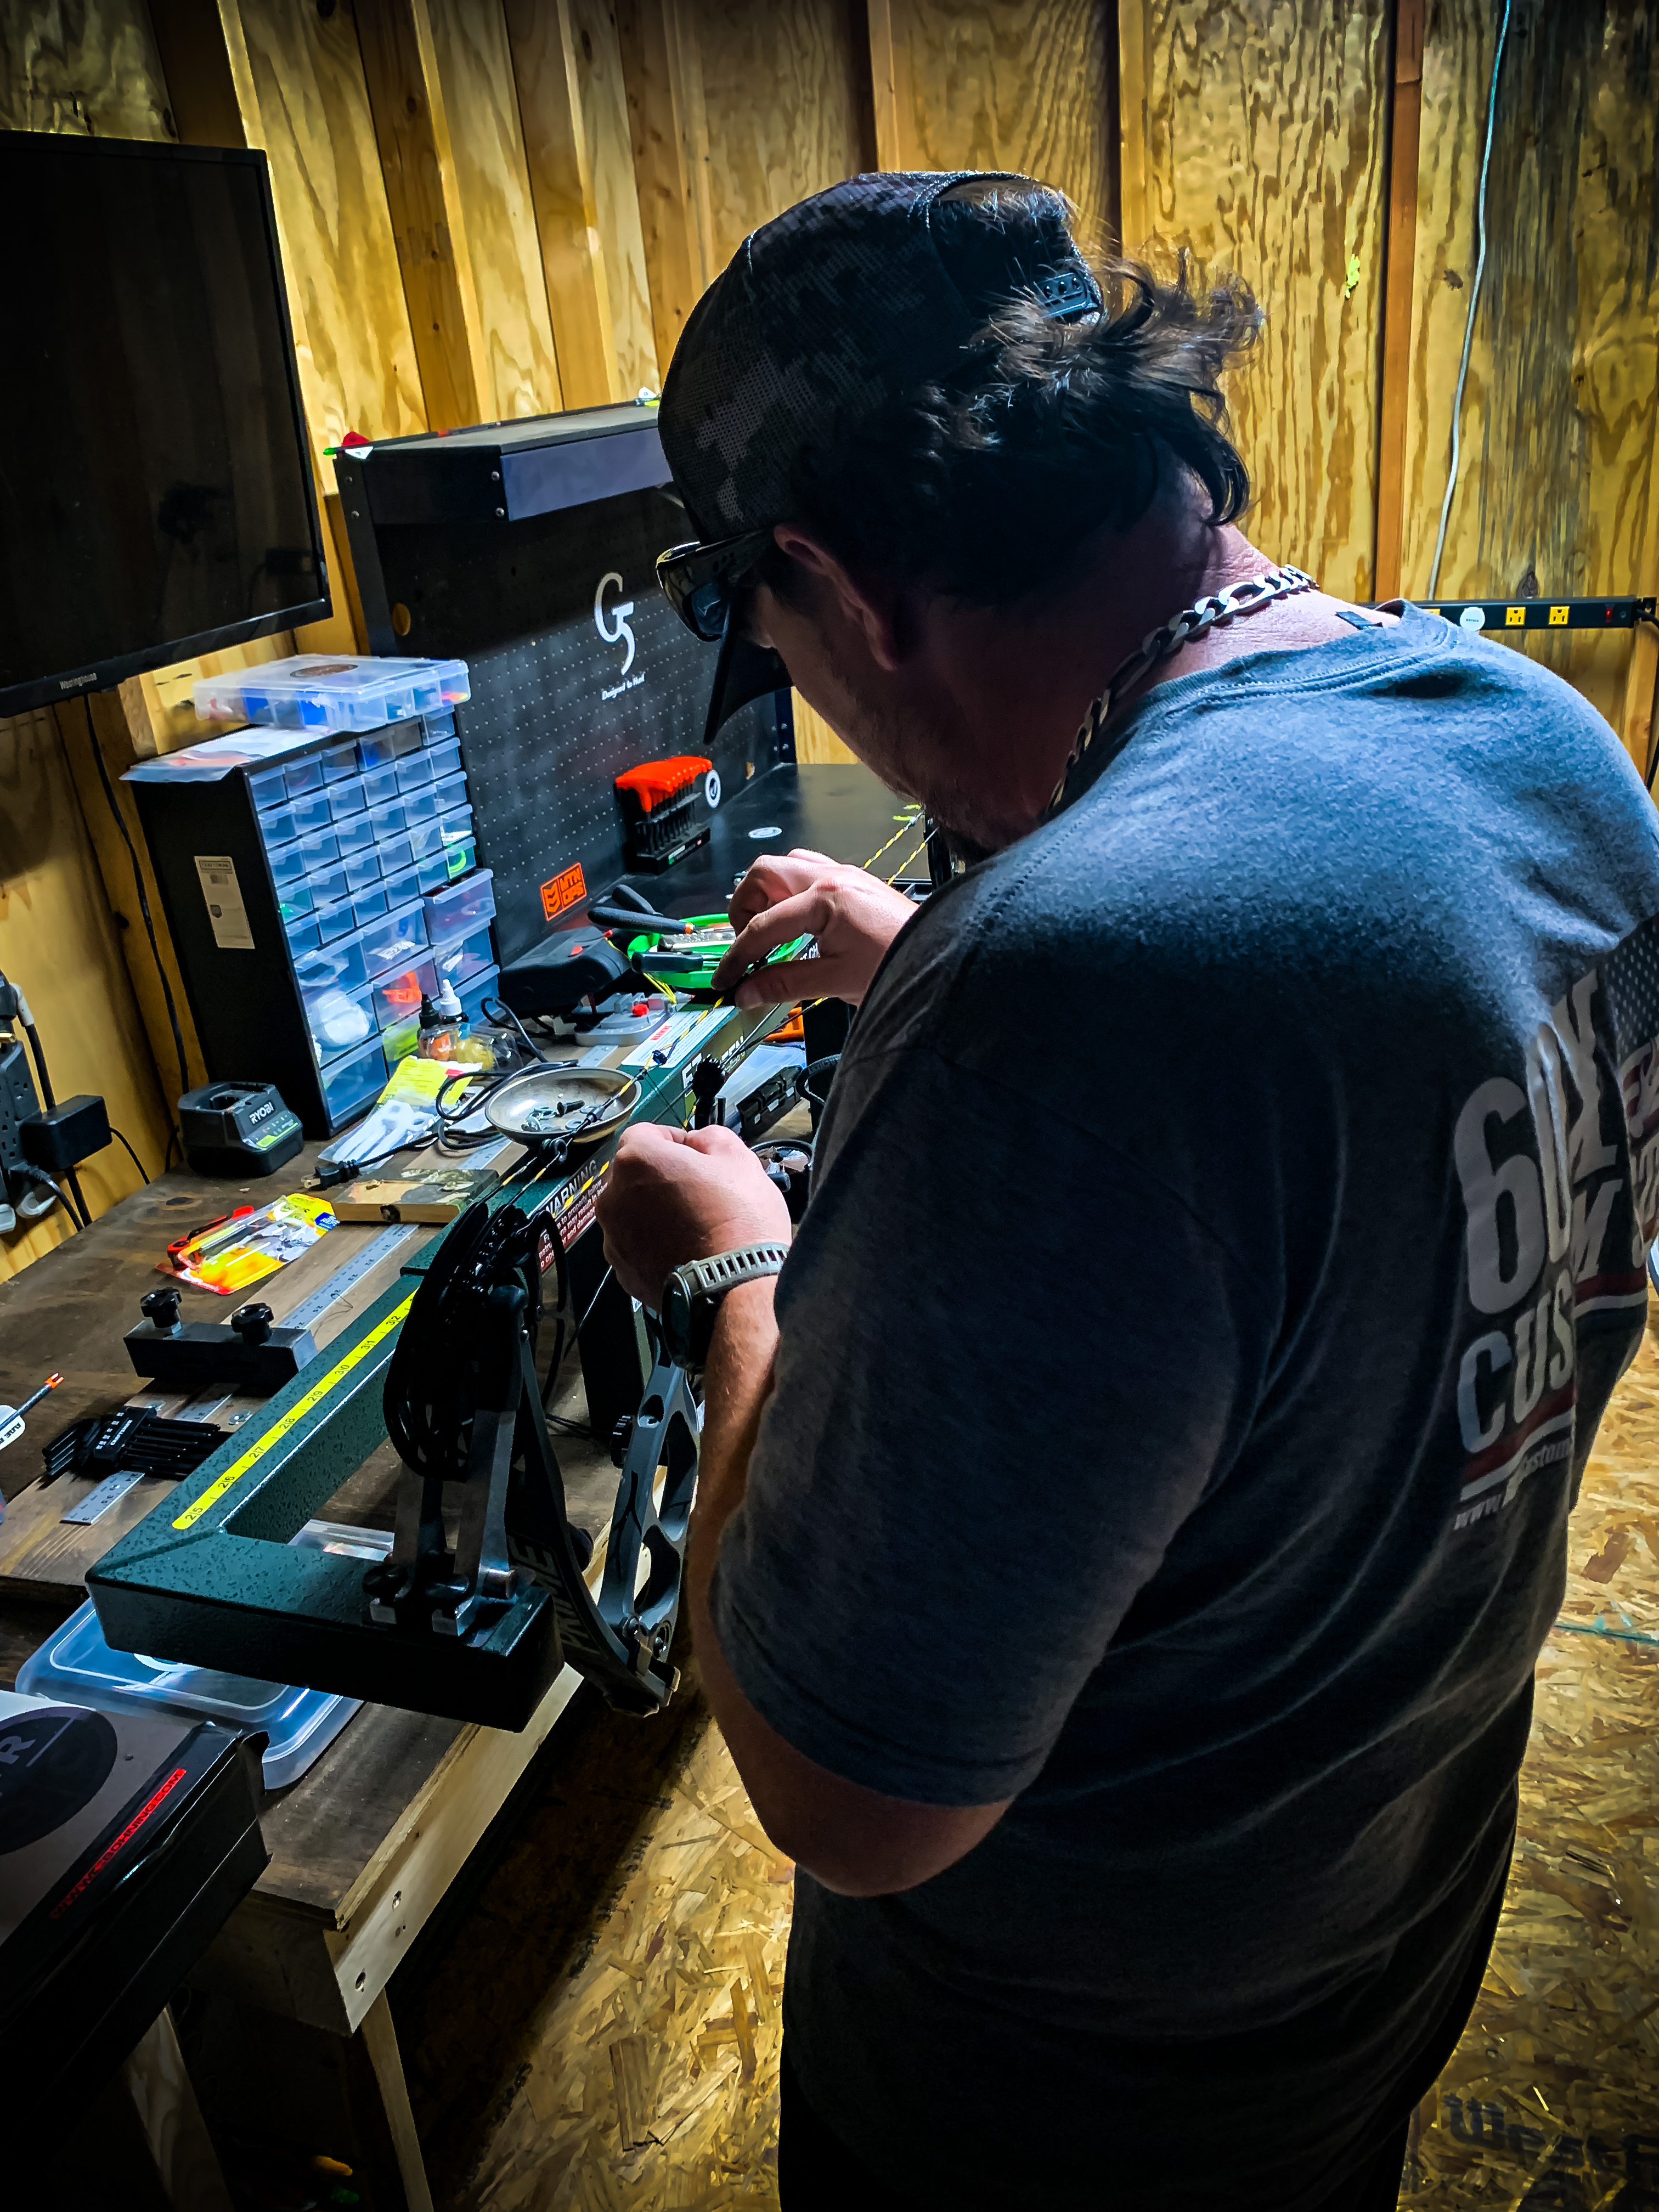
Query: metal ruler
x=377, y=1248
x=96, y=1502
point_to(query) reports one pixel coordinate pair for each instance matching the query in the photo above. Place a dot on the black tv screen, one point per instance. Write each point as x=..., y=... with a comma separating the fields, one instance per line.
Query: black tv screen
x=156, y=499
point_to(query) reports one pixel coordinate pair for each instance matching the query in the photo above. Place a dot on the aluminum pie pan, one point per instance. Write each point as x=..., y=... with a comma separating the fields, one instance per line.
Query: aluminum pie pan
x=597, y=1101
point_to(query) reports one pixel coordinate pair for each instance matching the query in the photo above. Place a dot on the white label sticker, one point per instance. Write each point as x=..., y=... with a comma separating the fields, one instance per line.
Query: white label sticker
x=223, y=895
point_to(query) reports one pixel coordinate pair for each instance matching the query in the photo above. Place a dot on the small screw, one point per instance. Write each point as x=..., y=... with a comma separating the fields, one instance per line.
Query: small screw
x=494, y=476
x=501, y=510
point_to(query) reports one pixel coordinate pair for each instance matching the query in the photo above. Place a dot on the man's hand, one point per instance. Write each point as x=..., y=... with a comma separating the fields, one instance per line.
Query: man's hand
x=678, y=1195
x=853, y=915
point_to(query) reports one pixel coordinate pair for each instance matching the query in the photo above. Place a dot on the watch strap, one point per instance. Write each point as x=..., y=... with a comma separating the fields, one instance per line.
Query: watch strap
x=704, y=1283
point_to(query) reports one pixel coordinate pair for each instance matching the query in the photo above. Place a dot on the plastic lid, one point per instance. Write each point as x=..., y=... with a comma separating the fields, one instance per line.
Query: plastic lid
x=653, y=782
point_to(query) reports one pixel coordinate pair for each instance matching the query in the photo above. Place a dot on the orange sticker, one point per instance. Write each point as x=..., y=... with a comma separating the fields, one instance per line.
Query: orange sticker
x=561, y=891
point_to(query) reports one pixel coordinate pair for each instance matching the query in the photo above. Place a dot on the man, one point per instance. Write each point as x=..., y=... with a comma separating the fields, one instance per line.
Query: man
x=1122, y=1550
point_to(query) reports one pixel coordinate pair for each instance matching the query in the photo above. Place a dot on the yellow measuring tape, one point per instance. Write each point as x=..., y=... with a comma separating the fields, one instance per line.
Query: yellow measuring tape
x=295, y=1413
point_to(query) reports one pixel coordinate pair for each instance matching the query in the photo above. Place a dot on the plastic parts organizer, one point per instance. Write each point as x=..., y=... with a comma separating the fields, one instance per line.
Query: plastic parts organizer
x=322, y=692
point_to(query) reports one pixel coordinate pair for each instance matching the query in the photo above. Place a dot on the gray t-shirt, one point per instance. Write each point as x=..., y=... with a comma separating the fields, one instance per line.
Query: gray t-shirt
x=1221, y=1248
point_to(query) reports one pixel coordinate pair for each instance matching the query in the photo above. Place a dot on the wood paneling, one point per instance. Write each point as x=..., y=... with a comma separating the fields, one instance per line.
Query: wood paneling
x=417, y=167
x=108, y=725
x=574, y=263
x=1558, y=414
x=1254, y=134
x=782, y=96
x=814, y=739
x=503, y=264
x=87, y=66
x=60, y=940
x=1404, y=146
x=597, y=57
x=668, y=134
x=1009, y=84
x=310, y=110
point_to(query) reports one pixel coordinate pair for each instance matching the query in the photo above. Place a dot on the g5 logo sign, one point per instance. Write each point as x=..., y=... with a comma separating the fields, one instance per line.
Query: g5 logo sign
x=620, y=627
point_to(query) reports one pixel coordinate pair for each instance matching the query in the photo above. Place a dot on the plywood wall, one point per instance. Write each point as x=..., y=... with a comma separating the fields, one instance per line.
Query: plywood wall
x=59, y=941
x=1027, y=85
x=493, y=208
x=1558, y=422
x=1256, y=136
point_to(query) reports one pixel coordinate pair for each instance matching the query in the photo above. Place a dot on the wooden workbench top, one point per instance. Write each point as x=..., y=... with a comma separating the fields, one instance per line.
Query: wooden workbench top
x=364, y=1843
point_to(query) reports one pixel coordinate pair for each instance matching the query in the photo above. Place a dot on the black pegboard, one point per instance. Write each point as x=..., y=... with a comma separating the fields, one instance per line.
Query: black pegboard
x=541, y=740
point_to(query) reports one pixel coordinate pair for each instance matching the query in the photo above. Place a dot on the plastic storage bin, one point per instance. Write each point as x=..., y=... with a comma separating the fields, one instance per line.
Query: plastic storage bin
x=295, y=899
x=396, y=856
x=310, y=809
x=267, y=787
x=355, y=833
x=397, y=994
x=450, y=792
x=303, y=778
x=76, y=1665
x=334, y=920
x=433, y=873
x=327, y=692
x=345, y=800
x=318, y=851
x=426, y=837
x=403, y=888
x=461, y=907
x=420, y=804
x=462, y=958
x=445, y=755
x=303, y=935
x=362, y=869
x=276, y=824
x=367, y=905
x=396, y=941
x=455, y=827
x=459, y=859
x=339, y=1021
x=340, y=762
x=328, y=884
x=381, y=747
x=400, y=1040
x=337, y=966
x=349, y=1084
x=388, y=818
x=378, y=785
x=414, y=769
x=287, y=863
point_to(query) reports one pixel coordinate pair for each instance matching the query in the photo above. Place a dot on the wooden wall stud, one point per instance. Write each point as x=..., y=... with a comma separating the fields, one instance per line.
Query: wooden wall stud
x=411, y=129
x=1405, y=139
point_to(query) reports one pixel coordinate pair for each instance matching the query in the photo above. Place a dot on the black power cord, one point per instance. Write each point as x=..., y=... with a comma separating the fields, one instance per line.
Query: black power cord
x=132, y=1155
x=144, y=902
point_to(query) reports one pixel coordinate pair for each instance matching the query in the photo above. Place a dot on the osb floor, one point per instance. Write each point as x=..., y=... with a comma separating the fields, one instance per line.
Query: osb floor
x=601, y=2034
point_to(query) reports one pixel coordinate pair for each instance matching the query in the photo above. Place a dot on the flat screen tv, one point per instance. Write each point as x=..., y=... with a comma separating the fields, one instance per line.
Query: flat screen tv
x=156, y=499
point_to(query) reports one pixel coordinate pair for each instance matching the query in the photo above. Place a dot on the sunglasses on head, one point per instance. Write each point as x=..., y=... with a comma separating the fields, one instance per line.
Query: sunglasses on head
x=701, y=581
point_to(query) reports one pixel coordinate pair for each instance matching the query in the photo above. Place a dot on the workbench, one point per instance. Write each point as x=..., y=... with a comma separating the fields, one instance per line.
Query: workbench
x=365, y=1844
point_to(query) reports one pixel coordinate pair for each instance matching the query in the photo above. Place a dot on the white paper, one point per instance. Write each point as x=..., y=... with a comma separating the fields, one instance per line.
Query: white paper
x=223, y=894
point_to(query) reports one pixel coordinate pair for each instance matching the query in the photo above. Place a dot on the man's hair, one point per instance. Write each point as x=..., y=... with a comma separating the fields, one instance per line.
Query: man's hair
x=982, y=487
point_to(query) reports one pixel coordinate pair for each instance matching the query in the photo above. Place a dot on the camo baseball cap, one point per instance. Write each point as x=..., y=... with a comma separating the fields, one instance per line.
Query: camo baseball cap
x=839, y=305
x=842, y=304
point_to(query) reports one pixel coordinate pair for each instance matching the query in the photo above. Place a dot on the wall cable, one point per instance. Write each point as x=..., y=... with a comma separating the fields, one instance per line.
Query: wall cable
x=1474, y=301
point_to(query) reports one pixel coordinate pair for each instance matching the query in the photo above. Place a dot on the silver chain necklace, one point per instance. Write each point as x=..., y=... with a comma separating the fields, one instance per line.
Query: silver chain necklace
x=1241, y=598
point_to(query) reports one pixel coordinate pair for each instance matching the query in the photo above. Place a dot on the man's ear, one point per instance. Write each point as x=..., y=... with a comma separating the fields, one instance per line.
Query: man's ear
x=871, y=608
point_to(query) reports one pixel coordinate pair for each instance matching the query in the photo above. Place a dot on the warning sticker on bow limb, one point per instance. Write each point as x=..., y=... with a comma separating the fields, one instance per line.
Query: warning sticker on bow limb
x=223, y=894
